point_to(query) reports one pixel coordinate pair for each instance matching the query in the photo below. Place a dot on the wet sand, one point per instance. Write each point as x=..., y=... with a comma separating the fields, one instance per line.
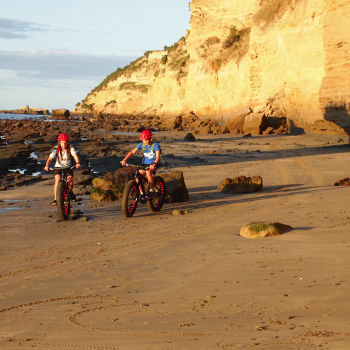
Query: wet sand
x=159, y=281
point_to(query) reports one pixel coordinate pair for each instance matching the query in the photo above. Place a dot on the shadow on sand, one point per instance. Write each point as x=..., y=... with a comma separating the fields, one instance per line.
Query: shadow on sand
x=207, y=197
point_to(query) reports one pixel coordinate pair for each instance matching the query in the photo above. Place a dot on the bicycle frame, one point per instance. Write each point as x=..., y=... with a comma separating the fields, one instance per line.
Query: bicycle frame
x=135, y=186
x=63, y=194
x=139, y=177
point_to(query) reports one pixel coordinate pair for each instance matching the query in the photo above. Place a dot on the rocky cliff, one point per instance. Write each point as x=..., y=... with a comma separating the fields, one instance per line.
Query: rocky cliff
x=243, y=60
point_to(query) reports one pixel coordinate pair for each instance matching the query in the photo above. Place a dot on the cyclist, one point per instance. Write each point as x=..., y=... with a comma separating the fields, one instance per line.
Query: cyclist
x=151, y=156
x=63, y=153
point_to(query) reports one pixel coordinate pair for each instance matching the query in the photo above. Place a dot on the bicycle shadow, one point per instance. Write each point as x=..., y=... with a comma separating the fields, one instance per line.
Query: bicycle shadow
x=208, y=197
x=205, y=197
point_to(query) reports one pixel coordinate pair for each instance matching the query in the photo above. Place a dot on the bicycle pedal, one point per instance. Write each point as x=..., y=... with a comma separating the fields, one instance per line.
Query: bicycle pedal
x=142, y=200
x=150, y=194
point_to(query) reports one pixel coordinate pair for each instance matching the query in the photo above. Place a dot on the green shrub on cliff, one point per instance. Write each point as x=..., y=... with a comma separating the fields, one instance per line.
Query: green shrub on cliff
x=175, y=46
x=110, y=102
x=132, y=67
x=216, y=63
x=179, y=61
x=235, y=46
x=233, y=37
x=271, y=10
x=212, y=40
x=90, y=106
x=132, y=85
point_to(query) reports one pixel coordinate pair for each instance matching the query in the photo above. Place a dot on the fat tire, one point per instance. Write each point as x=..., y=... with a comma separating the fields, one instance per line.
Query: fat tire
x=129, y=199
x=156, y=203
x=63, y=202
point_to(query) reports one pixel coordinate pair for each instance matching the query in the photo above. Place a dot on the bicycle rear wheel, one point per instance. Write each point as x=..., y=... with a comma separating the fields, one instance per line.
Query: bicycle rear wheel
x=129, y=199
x=156, y=203
x=63, y=202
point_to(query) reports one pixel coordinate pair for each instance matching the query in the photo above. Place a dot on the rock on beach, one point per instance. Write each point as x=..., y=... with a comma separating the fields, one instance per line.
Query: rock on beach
x=241, y=184
x=263, y=229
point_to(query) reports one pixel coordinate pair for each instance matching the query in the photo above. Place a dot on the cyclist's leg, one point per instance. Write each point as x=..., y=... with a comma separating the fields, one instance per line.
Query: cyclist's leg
x=143, y=173
x=70, y=180
x=57, y=180
x=150, y=179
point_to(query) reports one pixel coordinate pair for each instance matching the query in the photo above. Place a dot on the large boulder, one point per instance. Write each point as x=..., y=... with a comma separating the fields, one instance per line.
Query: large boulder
x=110, y=187
x=60, y=114
x=263, y=229
x=235, y=124
x=241, y=184
x=255, y=123
x=175, y=187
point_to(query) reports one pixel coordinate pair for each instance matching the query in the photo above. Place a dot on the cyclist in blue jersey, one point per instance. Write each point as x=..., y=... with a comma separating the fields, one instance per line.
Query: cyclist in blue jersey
x=151, y=156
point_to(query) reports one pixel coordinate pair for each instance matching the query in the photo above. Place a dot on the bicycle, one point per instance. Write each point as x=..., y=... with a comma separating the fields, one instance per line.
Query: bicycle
x=63, y=194
x=137, y=185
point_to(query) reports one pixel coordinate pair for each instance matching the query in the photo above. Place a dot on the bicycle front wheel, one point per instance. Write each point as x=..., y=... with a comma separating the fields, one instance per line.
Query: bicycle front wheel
x=156, y=203
x=129, y=199
x=63, y=202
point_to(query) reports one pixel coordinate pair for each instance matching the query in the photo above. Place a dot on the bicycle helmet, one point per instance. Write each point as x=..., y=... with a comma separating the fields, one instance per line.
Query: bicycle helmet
x=145, y=135
x=62, y=137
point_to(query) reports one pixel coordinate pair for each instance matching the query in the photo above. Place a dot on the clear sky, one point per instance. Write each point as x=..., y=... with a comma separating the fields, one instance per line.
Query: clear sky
x=54, y=52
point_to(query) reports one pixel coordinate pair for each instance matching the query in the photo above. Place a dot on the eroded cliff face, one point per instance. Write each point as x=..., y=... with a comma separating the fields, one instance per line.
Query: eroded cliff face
x=241, y=55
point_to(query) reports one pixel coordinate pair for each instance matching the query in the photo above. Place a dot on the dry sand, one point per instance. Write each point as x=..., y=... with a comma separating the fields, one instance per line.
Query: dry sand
x=159, y=281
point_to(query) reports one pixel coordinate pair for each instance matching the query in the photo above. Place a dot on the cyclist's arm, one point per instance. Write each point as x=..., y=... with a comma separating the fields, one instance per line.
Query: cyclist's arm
x=153, y=166
x=129, y=155
x=77, y=161
x=48, y=162
x=157, y=158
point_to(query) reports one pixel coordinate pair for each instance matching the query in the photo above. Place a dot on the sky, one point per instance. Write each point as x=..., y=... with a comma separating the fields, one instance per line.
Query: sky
x=54, y=52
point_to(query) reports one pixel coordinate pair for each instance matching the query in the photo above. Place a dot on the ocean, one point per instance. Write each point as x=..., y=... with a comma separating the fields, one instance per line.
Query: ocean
x=13, y=116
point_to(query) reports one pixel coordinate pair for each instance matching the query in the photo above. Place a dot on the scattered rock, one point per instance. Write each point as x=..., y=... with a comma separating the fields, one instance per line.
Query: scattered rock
x=185, y=324
x=179, y=212
x=241, y=184
x=189, y=137
x=263, y=229
x=343, y=182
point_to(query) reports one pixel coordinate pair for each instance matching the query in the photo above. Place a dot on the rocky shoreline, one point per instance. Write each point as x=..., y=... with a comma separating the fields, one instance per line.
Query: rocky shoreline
x=103, y=140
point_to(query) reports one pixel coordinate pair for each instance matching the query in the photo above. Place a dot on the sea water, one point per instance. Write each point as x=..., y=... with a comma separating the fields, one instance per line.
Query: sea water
x=14, y=116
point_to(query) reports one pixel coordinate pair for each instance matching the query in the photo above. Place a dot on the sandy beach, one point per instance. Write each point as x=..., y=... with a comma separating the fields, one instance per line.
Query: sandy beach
x=159, y=281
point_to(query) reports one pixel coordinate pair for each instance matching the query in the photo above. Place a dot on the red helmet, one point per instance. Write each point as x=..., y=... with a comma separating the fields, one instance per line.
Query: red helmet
x=145, y=135
x=62, y=137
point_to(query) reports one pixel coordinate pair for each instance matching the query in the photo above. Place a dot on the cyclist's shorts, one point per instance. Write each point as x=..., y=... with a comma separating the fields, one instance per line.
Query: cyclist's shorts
x=156, y=167
x=69, y=172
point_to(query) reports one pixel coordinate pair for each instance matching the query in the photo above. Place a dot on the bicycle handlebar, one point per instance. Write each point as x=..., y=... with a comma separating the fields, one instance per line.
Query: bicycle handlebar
x=54, y=168
x=138, y=166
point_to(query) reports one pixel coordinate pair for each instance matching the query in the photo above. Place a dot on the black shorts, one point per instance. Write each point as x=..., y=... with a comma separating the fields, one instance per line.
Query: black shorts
x=68, y=171
x=156, y=166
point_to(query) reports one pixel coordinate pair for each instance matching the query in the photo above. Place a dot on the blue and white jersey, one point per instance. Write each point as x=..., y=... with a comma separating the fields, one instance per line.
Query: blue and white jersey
x=149, y=152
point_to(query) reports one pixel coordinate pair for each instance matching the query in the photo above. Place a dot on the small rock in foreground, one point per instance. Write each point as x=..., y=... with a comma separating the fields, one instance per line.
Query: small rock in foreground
x=343, y=182
x=264, y=229
x=178, y=212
